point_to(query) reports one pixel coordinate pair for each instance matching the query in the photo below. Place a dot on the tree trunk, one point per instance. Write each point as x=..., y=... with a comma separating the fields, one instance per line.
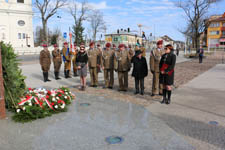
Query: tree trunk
x=45, y=36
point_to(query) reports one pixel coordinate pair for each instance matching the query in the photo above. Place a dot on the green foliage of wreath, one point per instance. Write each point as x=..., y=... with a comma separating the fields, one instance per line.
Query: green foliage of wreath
x=13, y=79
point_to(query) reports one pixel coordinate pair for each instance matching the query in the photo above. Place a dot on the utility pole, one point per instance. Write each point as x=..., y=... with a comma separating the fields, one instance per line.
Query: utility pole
x=2, y=99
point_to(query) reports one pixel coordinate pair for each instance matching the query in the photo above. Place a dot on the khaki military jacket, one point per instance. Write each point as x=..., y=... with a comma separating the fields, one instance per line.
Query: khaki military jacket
x=45, y=60
x=57, y=58
x=67, y=56
x=108, y=59
x=93, y=57
x=155, y=60
x=122, y=61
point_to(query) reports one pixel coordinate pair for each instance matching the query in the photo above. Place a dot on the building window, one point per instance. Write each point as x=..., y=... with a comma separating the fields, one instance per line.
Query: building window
x=115, y=39
x=19, y=35
x=222, y=43
x=223, y=32
x=216, y=24
x=20, y=1
x=214, y=32
x=24, y=35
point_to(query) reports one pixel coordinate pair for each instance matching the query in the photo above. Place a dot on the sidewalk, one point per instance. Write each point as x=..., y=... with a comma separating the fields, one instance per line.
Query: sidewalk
x=193, y=106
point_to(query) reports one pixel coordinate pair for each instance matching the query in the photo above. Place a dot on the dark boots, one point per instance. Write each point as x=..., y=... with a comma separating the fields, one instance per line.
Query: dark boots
x=75, y=73
x=67, y=74
x=169, y=96
x=168, y=99
x=142, y=86
x=45, y=74
x=141, y=82
x=57, y=76
x=164, y=96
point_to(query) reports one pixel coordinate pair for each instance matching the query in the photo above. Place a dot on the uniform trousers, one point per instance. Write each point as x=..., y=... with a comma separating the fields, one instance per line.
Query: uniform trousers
x=93, y=76
x=123, y=80
x=156, y=87
x=109, y=77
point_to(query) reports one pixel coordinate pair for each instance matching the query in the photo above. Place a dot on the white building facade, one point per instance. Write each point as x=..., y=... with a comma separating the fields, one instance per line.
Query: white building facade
x=16, y=23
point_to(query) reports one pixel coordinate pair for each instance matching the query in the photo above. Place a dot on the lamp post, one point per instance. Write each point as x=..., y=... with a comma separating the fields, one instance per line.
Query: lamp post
x=2, y=100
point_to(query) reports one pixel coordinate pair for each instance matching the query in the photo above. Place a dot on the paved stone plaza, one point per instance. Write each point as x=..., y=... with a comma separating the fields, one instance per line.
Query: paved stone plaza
x=183, y=125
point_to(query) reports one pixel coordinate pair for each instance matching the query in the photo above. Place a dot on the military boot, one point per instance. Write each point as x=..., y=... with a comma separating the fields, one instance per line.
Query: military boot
x=68, y=74
x=65, y=73
x=47, y=77
x=57, y=76
x=44, y=75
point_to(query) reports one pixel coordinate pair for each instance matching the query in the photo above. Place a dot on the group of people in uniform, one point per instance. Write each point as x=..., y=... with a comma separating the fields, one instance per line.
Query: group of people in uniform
x=110, y=59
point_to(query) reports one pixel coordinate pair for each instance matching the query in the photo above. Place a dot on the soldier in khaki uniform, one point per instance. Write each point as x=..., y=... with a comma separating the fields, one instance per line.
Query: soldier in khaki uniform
x=154, y=67
x=74, y=60
x=45, y=62
x=108, y=66
x=57, y=61
x=93, y=55
x=122, y=66
x=67, y=60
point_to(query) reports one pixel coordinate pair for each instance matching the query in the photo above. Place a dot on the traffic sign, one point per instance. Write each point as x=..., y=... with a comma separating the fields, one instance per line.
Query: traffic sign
x=64, y=35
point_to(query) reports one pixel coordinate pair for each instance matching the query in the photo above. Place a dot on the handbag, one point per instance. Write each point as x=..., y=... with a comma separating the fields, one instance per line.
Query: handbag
x=164, y=67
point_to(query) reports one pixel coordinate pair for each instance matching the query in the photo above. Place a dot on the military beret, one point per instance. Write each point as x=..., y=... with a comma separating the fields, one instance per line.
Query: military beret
x=55, y=45
x=108, y=45
x=98, y=44
x=160, y=42
x=44, y=45
x=114, y=45
x=121, y=45
x=92, y=43
x=65, y=43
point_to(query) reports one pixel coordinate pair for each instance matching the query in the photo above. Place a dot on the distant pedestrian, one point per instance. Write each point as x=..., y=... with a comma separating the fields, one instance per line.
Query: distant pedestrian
x=177, y=50
x=57, y=61
x=45, y=62
x=81, y=61
x=140, y=71
x=201, y=54
x=167, y=65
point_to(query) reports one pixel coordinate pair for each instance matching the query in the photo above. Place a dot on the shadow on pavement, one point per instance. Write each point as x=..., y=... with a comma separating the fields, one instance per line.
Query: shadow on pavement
x=212, y=134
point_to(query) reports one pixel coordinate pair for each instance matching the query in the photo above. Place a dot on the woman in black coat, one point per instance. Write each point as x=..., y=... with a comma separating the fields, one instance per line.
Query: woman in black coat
x=166, y=77
x=140, y=71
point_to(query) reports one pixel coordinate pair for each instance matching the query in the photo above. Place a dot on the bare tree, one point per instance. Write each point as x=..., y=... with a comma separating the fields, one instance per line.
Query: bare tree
x=97, y=23
x=195, y=11
x=47, y=9
x=79, y=13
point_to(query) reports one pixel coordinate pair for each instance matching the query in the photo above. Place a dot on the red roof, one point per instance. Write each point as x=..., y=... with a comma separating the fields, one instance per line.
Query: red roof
x=221, y=18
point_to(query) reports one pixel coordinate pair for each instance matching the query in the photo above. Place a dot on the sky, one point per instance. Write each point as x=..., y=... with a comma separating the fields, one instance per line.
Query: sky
x=159, y=17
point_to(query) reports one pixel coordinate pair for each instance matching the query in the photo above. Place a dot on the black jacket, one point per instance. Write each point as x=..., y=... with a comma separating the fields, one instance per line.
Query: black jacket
x=169, y=59
x=140, y=68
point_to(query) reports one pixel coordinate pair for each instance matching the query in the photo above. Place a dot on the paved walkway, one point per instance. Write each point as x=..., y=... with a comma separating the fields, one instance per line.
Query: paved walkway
x=183, y=125
x=195, y=105
x=86, y=127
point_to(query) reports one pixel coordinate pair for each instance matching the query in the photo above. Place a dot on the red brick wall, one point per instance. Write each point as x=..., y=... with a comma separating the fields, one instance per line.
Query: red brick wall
x=2, y=100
